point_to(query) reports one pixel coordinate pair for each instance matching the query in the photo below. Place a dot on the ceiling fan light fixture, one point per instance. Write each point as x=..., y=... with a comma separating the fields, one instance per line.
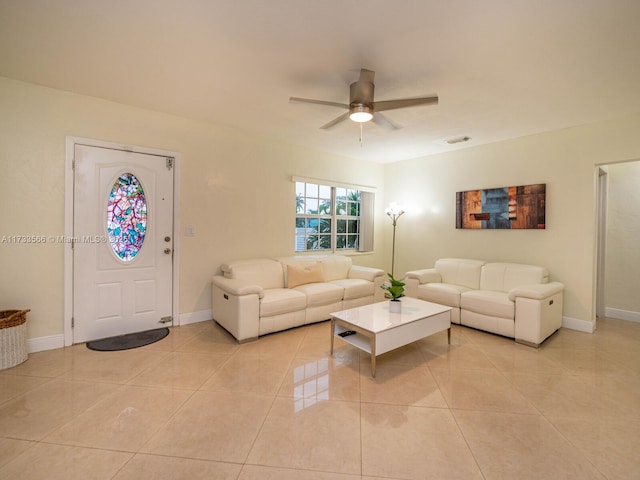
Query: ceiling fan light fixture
x=360, y=113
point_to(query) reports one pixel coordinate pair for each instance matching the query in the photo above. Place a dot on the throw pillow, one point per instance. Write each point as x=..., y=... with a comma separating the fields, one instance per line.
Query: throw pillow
x=302, y=275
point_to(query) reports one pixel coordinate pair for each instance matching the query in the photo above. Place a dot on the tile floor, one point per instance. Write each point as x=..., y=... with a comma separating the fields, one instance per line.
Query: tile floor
x=197, y=405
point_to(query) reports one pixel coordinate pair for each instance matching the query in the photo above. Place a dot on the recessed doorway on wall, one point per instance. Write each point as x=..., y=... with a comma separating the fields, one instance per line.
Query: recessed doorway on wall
x=618, y=259
x=121, y=262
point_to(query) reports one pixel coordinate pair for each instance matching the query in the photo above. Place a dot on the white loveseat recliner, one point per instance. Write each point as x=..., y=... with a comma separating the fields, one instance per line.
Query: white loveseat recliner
x=259, y=296
x=509, y=299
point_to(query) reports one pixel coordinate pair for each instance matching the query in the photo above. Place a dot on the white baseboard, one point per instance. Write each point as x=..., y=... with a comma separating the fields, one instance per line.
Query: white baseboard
x=41, y=344
x=622, y=314
x=578, y=324
x=195, y=317
x=57, y=341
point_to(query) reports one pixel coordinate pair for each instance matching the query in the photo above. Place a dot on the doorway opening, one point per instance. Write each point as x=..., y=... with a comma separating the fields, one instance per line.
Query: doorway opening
x=618, y=249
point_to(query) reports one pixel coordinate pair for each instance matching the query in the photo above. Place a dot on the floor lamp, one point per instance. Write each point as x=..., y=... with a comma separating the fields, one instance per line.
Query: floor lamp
x=395, y=212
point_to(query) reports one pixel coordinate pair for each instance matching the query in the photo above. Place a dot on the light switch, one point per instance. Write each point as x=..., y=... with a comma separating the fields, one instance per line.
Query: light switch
x=189, y=231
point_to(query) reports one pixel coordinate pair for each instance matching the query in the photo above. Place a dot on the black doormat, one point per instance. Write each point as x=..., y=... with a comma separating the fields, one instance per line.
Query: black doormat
x=130, y=340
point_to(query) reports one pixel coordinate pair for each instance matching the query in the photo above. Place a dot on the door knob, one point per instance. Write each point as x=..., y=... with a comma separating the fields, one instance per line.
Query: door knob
x=167, y=251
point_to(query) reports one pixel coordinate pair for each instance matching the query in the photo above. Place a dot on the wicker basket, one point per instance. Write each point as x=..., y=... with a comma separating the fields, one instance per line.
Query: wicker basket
x=13, y=337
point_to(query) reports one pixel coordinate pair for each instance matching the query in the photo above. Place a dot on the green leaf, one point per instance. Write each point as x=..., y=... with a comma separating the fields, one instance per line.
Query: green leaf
x=394, y=288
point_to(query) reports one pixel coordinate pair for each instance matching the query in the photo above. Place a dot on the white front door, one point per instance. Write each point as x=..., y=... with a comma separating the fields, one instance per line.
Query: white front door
x=123, y=245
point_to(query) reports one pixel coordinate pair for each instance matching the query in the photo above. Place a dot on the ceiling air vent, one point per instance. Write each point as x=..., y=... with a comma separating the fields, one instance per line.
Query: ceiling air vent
x=453, y=141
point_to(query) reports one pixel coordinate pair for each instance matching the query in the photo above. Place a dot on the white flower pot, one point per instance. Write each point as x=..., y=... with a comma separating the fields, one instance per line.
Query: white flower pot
x=395, y=306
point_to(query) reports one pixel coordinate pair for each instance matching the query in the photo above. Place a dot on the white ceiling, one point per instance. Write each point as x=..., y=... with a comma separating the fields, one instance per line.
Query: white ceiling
x=501, y=68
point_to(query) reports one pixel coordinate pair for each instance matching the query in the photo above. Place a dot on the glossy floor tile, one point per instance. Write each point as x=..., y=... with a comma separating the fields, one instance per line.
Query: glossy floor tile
x=197, y=405
x=529, y=445
x=411, y=442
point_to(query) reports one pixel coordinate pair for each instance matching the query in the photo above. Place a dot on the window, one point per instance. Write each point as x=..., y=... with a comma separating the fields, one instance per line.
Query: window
x=330, y=217
x=347, y=218
x=126, y=217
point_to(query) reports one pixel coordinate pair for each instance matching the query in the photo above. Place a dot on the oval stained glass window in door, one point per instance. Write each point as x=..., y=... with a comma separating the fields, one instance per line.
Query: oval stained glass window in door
x=126, y=217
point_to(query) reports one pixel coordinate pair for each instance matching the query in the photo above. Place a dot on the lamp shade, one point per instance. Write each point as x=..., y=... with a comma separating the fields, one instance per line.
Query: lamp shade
x=394, y=210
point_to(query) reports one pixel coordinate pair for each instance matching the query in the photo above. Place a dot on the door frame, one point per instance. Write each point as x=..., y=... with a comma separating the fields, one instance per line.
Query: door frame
x=70, y=143
x=601, y=249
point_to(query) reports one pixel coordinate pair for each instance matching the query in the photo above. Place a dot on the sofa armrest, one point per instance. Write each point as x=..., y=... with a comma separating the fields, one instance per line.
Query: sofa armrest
x=426, y=275
x=238, y=314
x=539, y=291
x=538, y=312
x=237, y=287
x=365, y=273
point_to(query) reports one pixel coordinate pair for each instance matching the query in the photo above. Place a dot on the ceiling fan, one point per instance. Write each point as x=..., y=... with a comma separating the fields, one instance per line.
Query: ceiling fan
x=362, y=107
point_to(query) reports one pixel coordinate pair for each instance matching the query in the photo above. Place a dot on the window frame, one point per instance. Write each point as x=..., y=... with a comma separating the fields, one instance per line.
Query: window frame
x=334, y=217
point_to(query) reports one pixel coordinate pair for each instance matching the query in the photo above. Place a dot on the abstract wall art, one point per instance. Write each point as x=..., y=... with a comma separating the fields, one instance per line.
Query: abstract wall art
x=502, y=208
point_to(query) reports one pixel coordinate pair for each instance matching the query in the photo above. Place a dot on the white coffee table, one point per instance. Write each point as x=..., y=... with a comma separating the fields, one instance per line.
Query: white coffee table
x=378, y=331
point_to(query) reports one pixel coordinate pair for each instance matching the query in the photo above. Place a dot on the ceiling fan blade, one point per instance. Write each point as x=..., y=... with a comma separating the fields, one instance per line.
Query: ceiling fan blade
x=335, y=121
x=318, y=102
x=384, y=121
x=402, y=103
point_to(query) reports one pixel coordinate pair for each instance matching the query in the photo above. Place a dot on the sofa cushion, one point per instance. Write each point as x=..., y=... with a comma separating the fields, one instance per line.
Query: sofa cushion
x=281, y=300
x=441, y=293
x=295, y=261
x=502, y=277
x=355, y=288
x=495, y=304
x=260, y=271
x=336, y=267
x=301, y=275
x=460, y=271
x=320, y=293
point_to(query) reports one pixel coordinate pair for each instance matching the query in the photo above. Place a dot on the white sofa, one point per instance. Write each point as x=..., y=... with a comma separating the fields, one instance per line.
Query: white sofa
x=513, y=300
x=254, y=297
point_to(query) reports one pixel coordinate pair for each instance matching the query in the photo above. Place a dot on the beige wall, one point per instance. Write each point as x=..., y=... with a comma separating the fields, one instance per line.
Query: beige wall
x=565, y=160
x=622, y=271
x=236, y=191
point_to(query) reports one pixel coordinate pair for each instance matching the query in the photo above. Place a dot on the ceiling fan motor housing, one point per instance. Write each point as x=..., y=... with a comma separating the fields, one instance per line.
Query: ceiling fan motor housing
x=361, y=101
x=361, y=94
